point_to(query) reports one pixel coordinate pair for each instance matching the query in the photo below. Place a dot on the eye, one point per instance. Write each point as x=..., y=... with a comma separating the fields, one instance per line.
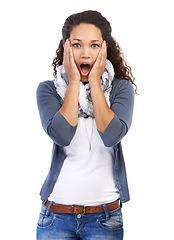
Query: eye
x=76, y=45
x=95, y=45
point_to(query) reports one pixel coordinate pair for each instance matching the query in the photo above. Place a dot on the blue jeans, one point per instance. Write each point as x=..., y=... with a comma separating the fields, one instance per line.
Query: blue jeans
x=59, y=226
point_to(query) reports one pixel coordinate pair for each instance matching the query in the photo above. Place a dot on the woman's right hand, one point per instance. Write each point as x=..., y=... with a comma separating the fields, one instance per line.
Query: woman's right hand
x=69, y=63
x=69, y=109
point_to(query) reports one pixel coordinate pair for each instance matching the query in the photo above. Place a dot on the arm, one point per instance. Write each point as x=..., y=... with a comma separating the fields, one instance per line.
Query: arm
x=103, y=114
x=122, y=103
x=53, y=122
x=112, y=123
x=60, y=122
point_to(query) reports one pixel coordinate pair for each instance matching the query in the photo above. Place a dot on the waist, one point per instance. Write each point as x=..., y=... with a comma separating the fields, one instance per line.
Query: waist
x=60, y=208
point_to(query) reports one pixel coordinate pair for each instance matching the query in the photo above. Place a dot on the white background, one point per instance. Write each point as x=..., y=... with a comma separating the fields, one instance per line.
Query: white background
x=30, y=33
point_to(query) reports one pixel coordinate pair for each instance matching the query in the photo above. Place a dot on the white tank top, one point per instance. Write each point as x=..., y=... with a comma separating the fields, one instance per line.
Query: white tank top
x=86, y=177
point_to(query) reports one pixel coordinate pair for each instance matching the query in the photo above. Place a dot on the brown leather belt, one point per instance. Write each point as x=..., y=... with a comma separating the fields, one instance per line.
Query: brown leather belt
x=59, y=208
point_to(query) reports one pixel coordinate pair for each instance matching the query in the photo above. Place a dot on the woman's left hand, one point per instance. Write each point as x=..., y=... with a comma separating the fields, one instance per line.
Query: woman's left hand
x=102, y=112
x=99, y=65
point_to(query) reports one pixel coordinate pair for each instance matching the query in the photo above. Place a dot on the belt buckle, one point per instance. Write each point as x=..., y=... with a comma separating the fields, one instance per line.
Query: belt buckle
x=83, y=211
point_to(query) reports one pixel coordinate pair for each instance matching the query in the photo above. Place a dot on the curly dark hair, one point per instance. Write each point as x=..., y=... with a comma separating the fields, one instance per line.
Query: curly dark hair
x=114, y=53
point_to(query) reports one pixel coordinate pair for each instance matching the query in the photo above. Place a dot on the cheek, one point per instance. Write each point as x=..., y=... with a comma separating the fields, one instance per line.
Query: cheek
x=76, y=55
x=95, y=54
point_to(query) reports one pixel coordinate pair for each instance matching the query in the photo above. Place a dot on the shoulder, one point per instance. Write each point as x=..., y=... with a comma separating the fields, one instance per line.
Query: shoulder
x=46, y=88
x=46, y=85
x=121, y=87
x=118, y=84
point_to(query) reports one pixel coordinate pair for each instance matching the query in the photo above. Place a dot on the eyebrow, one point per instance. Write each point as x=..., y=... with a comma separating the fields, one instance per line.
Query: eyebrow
x=96, y=41
x=76, y=39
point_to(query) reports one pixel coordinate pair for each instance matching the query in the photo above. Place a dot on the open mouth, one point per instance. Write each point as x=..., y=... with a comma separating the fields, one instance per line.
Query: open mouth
x=85, y=69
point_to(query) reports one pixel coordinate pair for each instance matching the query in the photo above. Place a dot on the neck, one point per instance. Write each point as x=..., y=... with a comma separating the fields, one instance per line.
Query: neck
x=84, y=79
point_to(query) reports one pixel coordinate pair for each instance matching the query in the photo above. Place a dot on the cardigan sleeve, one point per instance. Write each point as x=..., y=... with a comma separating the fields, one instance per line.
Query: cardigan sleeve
x=122, y=103
x=54, y=124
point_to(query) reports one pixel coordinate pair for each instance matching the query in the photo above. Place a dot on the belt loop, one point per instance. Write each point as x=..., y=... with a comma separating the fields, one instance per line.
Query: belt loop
x=48, y=209
x=121, y=205
x=106, y=211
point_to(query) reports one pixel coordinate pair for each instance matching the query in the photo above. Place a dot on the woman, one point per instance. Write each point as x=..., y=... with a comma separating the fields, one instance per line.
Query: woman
x=86, y=110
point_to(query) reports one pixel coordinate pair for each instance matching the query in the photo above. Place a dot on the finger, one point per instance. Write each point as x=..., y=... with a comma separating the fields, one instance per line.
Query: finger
x=71, y=56
x=99, y=56
x=104, y=52
x=70, y=53
x=105, y=48
x=66, y=54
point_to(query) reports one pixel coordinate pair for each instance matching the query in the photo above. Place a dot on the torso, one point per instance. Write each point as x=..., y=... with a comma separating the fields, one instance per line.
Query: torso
x=86, y=177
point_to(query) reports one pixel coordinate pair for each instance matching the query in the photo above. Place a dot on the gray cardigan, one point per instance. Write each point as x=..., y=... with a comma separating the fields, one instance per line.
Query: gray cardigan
x=61, y=132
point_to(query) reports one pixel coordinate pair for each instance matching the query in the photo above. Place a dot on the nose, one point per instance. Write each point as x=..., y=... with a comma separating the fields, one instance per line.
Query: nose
x=85, y=53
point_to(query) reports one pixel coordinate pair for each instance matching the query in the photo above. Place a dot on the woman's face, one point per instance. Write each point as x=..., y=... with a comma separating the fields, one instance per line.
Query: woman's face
x=86, y=42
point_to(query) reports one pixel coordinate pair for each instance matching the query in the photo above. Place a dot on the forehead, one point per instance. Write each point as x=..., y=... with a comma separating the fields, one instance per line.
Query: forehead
x=85, y=31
